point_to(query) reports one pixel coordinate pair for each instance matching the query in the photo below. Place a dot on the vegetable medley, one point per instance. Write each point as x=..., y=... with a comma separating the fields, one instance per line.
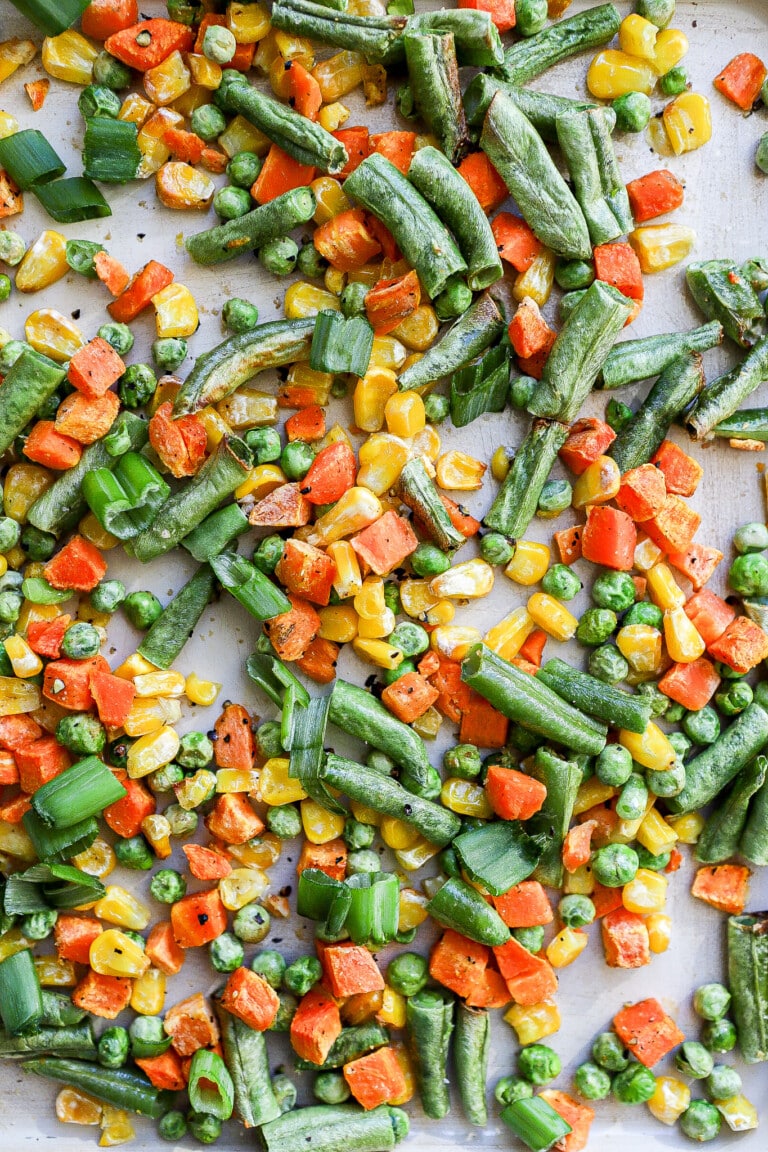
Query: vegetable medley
x=427, y=256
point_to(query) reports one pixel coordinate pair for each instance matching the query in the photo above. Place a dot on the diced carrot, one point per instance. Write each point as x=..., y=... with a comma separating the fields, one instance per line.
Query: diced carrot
x=489, y=991
x=46, y=446
x=198, y=918
x=304, y=93
x=530, y=978
x=647, y=1031
x=604, y=822
x=528, y=330
x=484, y=180
x=386, y=543
x=533, y=646
x=103, y=18
x=18, y=731
x=609, y=538
x=146, y=44
x=482, y=724
x=234, y=744
x=516, y=241
x=180, y=443
x=86, y=419
x=319, y=660
x=513, y=795
x=212, y=159
x=568, y=544
x=9, y=769
x=295, y=396
x=164, y=1071
x=124, y=817
x=384, y=237
x=291, y=632
x=575, y=1113
x=741, y=80
x=724, y=886
x=152, y=278
x=350, y=969
x=345, y=241
x=14, y=810
x=185, y=146
x=692, y=685
x=588, y=439
x=250, y=998
x=534, y=365
x=524, y=665
x=316, y=1025
x=398, y=147
x=641, y=586
x=460, y=518
x=698, y=563
x=674, y=526
x=617, y=264
x=78, y=565
x=501, y=12
x=244, y=53
x=111, y=272
x=162, y=949
x=68, y=682
x=307, y=424
x=742, y=646
x=429, y=664
x=357, y=142
x=709, y=614
x=285, y=507
x=654, y=195
x=642, y=492
x=376, y=1078
x=454, y=694
x=104, y=996
x=232, y=818
x=676, y=859
x=205, y=864
x=280, y=173
x=330, y=858
x=11, y=197
x=112, y=696
x=681, y=472
x=390, y=302
x=330, y=475
x=191, y=1025
x=73, y=935
x=577, y=846
x=458, y=963
x=524, y=906
x=37, y=90
x=625, y=939
x=409, y=697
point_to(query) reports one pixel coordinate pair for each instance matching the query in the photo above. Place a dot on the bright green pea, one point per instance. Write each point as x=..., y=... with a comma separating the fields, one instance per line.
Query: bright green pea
x=559, y=581
x=614, y=590
x=576, y=911
x=702, y=727
x=595, y=626
x=634, y=1085
x=694, y=1060
x=711, y=1001
x=230, y=202
x=407, y=973
x=614, y=865
x=591, y=1081
x=723, y=1082
x=142, y=609
x=538, y=1063
x=606, y=663
x=644, y=613
x=463, y=760
x=428, y=561
x=572, y=275
x=252, y=923
x=735, y=698
x=240, y=316
x=748, y=575
x=701, y=1121
x=270, y=965
x=613, y=765
x=496, y=549
x=719, y=1035
x=633, y=111
x=511, y=1088
x=226, y=953
x=279, y=256
x=609, y=1052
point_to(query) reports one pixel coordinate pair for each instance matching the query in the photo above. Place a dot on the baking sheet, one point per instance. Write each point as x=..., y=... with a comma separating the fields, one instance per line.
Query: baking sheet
x=726, y=204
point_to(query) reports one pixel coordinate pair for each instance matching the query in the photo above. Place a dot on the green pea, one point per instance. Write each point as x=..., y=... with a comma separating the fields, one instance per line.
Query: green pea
x=680, y=742
x=169, y=353
x=243, y=169
x=752, y=537
x=226, y=953
x=357, y=835
x=268, y=554
x=81, y=641
x=5, y=287
x=353, y=299
x=531, y=16
x=302, y=975
x=454, y=300
x=618, y=414
x=284, y=821
x=674, y=712
x=10, y=530
x=172, y=1127
x=113, y=1047
x=240, y=316
x=608, y=1052
x=279, y=256
x=595, y=626
x=429, y=561
x=137, y=385
x=195, y=750
x=748, y=575
x=436, y=408
x=166, y=778
x=12, y=248
x=634, y=1085
x=331, y=1088
x=38, y=545
x=648, y=860
x=270, y=965
x=723, y=1082
x=538, y=1063
x=142, y=609
x=449, y=863
x=512, y=1088
x=725, y=672
x=702, y=727
x=310, y=263
x=118, y=336
x=574, y=274
x=409, y=638
x=496, y=549
x=658, y=701
x=110, y=72
x=521, y=390
x=711, y=1001
x=268, y=739
x=285, y=1092
x=463, y=760
x=252, y=923
x=407, y=973
x=614, y=865
x=208, y=121
x=606, y=663
x=230, y=202
x=182, y=822
x=363, y=860
x=719, y=1035
x=555, y=497
x=265, y=444
x=559, y=581
x=204, y=1126
x=633, y=112
x=82, y=733
x=761, y=153
x=633, y=798
x=10, y=605
x=668, y=783
x=674, y=82
x=168, y=886
x=644, y=613
x=108, y=596
x=613, y=765
x=296, y=459
x=576, y=911
x=694, y=1060
x=659, y=12
x=38, y=925
x=735, y=698
x=591, y=1081
x=530, y=938
x=701, y=1121
x=614, y=590
x=286, y=1011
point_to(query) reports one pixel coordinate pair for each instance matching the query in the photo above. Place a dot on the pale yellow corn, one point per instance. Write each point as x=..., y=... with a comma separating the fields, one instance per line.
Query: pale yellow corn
x=175, y=312
x=69, y=57
x=242, y=886
x=168, y=80
x=365, y=815
x=332, y=116
x=458, y=472
x=148, y=993
x=339, y=75
x=466, y=798
x=684, y=643
x=398, y=835
x=348, y=580
x=90, y=528
x=43, y=263
x=416, y=598
x=319, y=824
x=688, y=827
x=134, y=665
x=469, y=580
x=16, y=696
x=529, y=563
x=164, y=684
x=739, y=1113
x=670, y=1099
x=356, y=509
x=538, y=280
x=376, y=627
x=382, y=459
x=242, y=136
x=419, y=330
x=533, y=1022
x=205, y=73
x=8, y=125
x=598, y=483
x=152, y=751
x=566, y=947
x=237, y=779
x=454, y=641
x=276, y=786
x=116, y=1127
x=659, y=926
x=663, y=588
x=15, y=842
x=99, y=860
x=656, y=834
x=247, y=22
x=387, y=353
x=149, y=715
x=651, y=748
x=12, y=942
x=113, y=953
x=508, y=636
x=411, y=859
x=613, y=73
x=441, y=613
x=201, y=692
x=645, y=893
x=637, y=36
x=661, y=246
x=118, y=906
x=404, y=414
x=135, y=109
x=249, y=408
x=194, y=790
x=581, y=882
x=552, y=616
x=640, y=645
x=412, y=909
x=52, y=334
x=74, y=1107
x=426, y=444
x=370, y=601
x=303, y=300
x=24, y=661
x=378, y=652
x=370, y=397
x=55, y=973
x=392, y=1011
x=15, y=53
x=669, y=49
x=330, y=199
x=590, y=793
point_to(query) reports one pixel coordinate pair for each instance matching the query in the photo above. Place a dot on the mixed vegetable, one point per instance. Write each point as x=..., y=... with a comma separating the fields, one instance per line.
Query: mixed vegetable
x=568, y=792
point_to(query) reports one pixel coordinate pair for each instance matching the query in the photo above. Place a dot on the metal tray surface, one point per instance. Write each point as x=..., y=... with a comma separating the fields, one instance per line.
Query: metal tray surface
x=726, y=205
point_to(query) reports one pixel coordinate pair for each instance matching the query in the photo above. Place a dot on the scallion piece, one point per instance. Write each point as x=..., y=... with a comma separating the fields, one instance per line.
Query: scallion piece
x=29, y=159
x=74, y=1040
x=308, y=754
x=480, y=387
x=291, y=705
x=273, y=678
x=21, y=1001
x=126, y=498
x=73, y=199
x=110, y=151
x=63, y=885
x=536, y=1123
x=210, y=1085
x=316, y=893
x=255, y=591
x=22, y=897
x=51, y=16
x=373, y=911
x=83, y=790
x=340, y=345
x=55, y=845
x=499, y=855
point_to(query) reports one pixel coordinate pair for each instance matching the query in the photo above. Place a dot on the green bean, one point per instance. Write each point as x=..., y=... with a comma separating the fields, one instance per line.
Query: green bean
x=336, y=1128
x=476, y=330
x=746, y=424
x=709, y=772
x=245, y=1052
x=459, y=906
x=753, y=844
x=253, y=230
x=70, y=1041
x=541, y=108
x=585, y=138
x=579, y=352
x=470, y=1055
x=211, y=537
x=589, y=29
x=721, y=398
x=517, y=500
x=723, y=293
x=434, y=79
x=178, y=620
x=723, y=832
x=350, y=1044
x=29, y=382
x=429, y=1021
x=417, y=489
x=516, y=150
x=634, y=360
x=677, y=386
x=376, y=37
x=117, y=1086
x=590, y=695
x=478, y=44
x=748, y=983
x=561, y=778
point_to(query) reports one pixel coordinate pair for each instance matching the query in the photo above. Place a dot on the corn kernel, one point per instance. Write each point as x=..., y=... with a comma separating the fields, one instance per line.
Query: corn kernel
x=372, y=392
x=613, y=73
x=376, y=627
x=500, y=464
x=382, y=459
x=466, y=798
x=529, y=563
x=303, y=300
x=90, y=528
x=332, y=116
x=24, y=661
x=392, y=1011
x=55, y=973
x=533, y=1022
x=590, y=793
x=378, y=652
x=365, y=815
x=330, y=199
x=152, y=751
x=640, y=645
x=416, y=597
x=370, y=601
x=739, y=1114
x=276, y=786
x=440, y=614
x=242, y=886
x=566, y=947
x=261, y=852
x=538, y=280
x=647, y=554
x=637, y=37
x=69, y=57
x=115, y=954
x=645, y=893
x=116, y=1127
x=469, y=580
x=659, y=927
x=15, y=53
x=339, y=75
x=660, y=246
x=121, y=907
x=412, y=909
x=411, y=859
x=164, y=684
x=175, y=312
x=684, y=643
x=458, y=472
x=149, y=715
x=247, y=22
x=8, y=124
x=148, y=993
x=663, y=589
x=669, y=49
x=549, y=614
x=135, y=109
x=670, y=1099
x=74, y=1107
x=656, y=834
x=168, y=80
x=356, y=509
x=598, y=484
x=508, y=636
x=98, y=860
x=12, y=942
x=688, y=827
x=201, y=692
x=404, y=414
x=454, y=641
x=418, y=331
x=134, y=665
x=204, y=73
x=242, y=136
x=52, y=334
x=44, y=263
x=651, y=748
x=688, y=123
x=338, y=623
x=319, y=824
x=398, y=835
x=15, y=842
x=348, y=580
x=426, y=444
x=581, y=882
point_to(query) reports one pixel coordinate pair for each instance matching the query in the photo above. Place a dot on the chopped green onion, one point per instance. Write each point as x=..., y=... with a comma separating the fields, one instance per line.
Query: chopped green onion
x=110, y=151
x=210, y=1085
x=73, y=199
x=337, y=913
x=273, y=678
x=126, y=499
x=308, y=754
x=83, y=790
x=22, y=897
x=499, y=855
x=55, y=845
x=63, y=885
x=255, y=591
x=316, y=893
x=340, y=345
x=291, y=704
x=29, y=159
x=535, y=1122
x=21, y=1001
x=480, y=387
x=373, y=911
x=51, y=16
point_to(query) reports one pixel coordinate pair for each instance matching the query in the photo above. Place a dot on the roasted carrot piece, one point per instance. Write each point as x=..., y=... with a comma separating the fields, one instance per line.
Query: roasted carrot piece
x=319, y=660
x=250, y=998
x=692, y=685
x=533, y=365
x=291, y=632
x=232, y=818
x=162, y=949
x=186, y=146
x=578, y=1115
x=680, y=471
x=530, y=978
x=357, y=142
x=18, y=731
x=330, y=858
x=94, y=368
x=609, y=538
x=306, y=571
x=280, y=173
x=112, y=696
x=307, y=424
x=568, y=544
x=13, y=811
x=164, y=1071
x=674, y=525
x=198, y=918
x=524, y=906
x=654, y=195
x=458, y=963
x=102, y=18
x=528, y=330
x=316, y=1025
x=698, y=563
x=741, y=80
x=191, y=1024
x=533, y=647
x=577, y=846
x=490, y=991
x=330, y=475
x=40, y=762
x=78, y=565
x=11, y=197
x=285, y=507
x=647, y=1031
x=617, y=264
x=409, y=697
x=513, y=795
x=179, y=443
x=47, y=446
x=516, y=241
x=68, y=682
x=233, y=743
x=104, y=996
x=501, y=12
x=709, y=614
x=642, y=492
x=454, y=694
x=73, y=935
x=152, y=278
x=742, y=646
x=588, y=439
x=386, y=543
x=376, y=1078
x=398, y=147
x=460, y=518
x=84, y=419
x=625, y=939
x=205, y=864
x=484, y=180
x=349, y=969
x=724, y=886
x=390, y=302
x=145, y=45
x=9, y=769
x=346, y=242
x=305, y=95
x=482, y=724
x=124, y=817
x=111, y=272
x=37, y=90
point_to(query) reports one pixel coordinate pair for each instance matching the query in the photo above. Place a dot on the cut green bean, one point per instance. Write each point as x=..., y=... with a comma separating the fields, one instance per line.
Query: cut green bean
x=603, y=701
x=478, y=44
x=498, y=855
x=746, y=424
x=679, y=384
x=648, y=356
x=212, y=536
x=753, y=844
x=518, y=498
x=178, y=620
x=376, y=37
x=589, y=29
x=429, y=1021
x=714, y=768
x=21, y=1001
x=29, y=382
x=720, y=399
x=253, y=230
x=470, y=1056
x=723, y=293
x=541, y=108
x=459, y=906
x=748, y=983
x=336, y=1128
x=434, y=79
x=245, y=1052
x=585, y=138
x=117, y=1086
x=561, y=778
x=721, y=836
x=417, y=489
x=476, y=330
x=350, y=1044
x=74, y=1041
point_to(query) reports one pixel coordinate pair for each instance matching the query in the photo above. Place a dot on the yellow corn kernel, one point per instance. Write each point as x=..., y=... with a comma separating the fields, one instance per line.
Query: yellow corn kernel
x=98, y=860
x=194, y=97
x=167, y=684
x=365, y=815
x=739, y=1114
x=549, y=614
x=216, y=427
x=115, y=954
x=8, y=124
x=53, y=334
x=684, y=644
x=237, y=779
x=292, y=47
x=154, y=150
x=148, y=993
x=74, y=1107
x=279, y=76
x=330, y=199
x=69, y=57
x=566, y=947
x=376, y=627
x=12, y=942
x=465, y=798
x=660, y=246
x=339, y=75
x=135, y=109
x=670, y=1099
x=356, y=509
x=645, y=893
x=359, y=1008
x=348, y=581
x=134, y=665
x=24, y=661
x=398, y=835
x=659, y=926
x=168, y=80
x=387, y=354
x=194, y=790
x=651, y=748
x=175, y=312
x=382, y=459
x=426, y=444
x=338, y=623
x=439, y=614
x=598, y=484
x=392, y=1011
x=533, y=1022
x=276, y=786
x=261, y=852
x=148, y=715
x=15, y=558
x=152, y=751
x=590, y=793
x=335, y=280
x=457, y=471
x=469, y=580
x=247, y=22
x=242, y=136
x=17, y=696
x=688, y=122
x=90, y=528
x=201, y=692
x=370, y=601
x=647, y=555
x=613, y=73
x=116, y=1127
x=656, y=834
x=419, y=330
x=508, y=636
x=688, y=827
x=319, y=824
x=32, y=613
x=669, y=49
x=44, y=262
x=416, y=598
x=454, y=641
x=242, y=886
x=640, y=645
x=370, y=398
x=529, y=563
x=332, y=116
x=121, y=907
x=15, y=53
x=637, y=37
x=501, y=462
x=303, y=300
x=157, y=830
x=180, y=186
x=15, y=842
x=663, y=589
x=581, y=882
x=378, y=652
x=538, y=280
x=55, y=973
x=404, y=414
x=411, y=859
x=204, y=73
x=412, y=909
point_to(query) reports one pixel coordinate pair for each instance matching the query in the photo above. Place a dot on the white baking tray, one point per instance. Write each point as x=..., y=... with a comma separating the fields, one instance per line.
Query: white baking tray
x=726, y=204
